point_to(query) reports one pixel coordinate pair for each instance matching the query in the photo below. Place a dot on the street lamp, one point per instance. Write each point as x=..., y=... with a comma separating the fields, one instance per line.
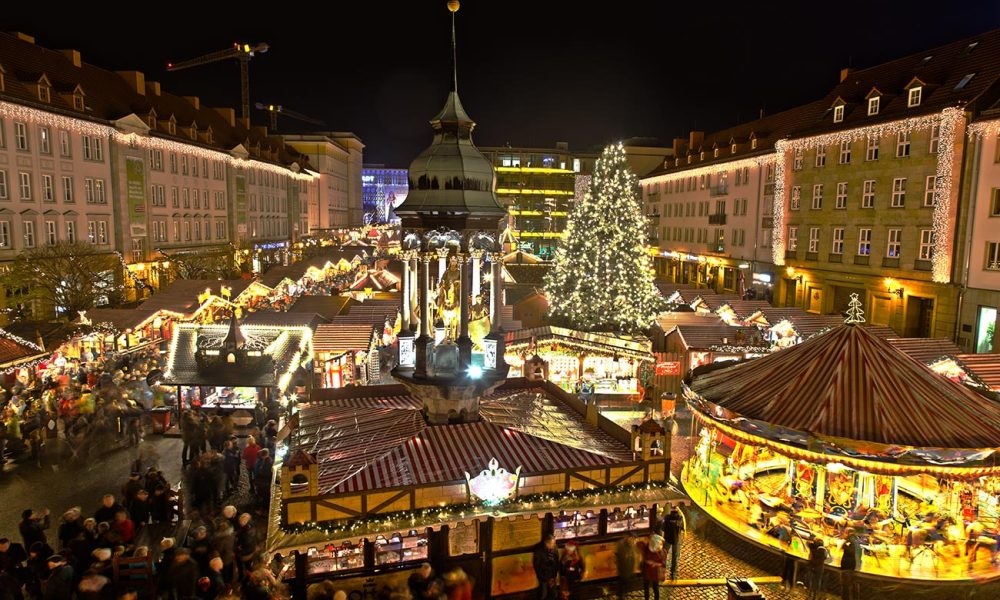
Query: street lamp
x=893, y=287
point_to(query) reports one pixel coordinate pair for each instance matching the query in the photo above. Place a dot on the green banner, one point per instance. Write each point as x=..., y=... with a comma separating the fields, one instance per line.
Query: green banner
x=241, y=204
x=135, y=191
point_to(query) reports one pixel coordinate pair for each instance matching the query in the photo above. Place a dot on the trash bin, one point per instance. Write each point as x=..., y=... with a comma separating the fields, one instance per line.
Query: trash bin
x=161, y=419
x=742, y=589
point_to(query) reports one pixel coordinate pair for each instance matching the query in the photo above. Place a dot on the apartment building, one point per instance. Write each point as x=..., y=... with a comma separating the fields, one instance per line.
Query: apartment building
x=710, y=206
x=336, y=157
x=870, y=189
x=88, y=154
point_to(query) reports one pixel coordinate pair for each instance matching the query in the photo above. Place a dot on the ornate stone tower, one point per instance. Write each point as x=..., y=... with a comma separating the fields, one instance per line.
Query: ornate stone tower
x=450, y=221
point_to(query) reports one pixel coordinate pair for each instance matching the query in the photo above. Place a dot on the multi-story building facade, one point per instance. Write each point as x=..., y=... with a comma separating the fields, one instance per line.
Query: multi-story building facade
x=538, y=186
x=979, y=299
x=111, y=159
x=336, y=156
x=710, y=207
x=382, y=189
x=870, y=189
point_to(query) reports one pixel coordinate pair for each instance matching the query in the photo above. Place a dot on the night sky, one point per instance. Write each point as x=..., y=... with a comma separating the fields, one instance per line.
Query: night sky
x=529, y=73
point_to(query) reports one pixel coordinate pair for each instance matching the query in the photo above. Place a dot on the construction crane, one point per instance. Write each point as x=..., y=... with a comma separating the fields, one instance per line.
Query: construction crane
x=242, y=53
x=275, y=109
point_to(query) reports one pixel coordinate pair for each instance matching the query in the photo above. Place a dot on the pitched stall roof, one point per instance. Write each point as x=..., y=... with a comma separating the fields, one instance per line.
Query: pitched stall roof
x=344, y=337
x=122, y=319
x=14, y=349
x=985, y=367
x=384, y=442
x=327, y=307
x=181, y=295
x=926, y=350
x=109, y=96
x=706, y=337
x=848, y=383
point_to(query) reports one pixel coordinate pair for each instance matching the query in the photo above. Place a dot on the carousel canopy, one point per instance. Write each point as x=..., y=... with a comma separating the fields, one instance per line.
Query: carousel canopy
x=849, y=383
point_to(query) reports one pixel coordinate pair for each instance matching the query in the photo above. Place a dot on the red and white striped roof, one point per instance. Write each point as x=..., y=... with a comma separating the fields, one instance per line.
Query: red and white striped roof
x=849, y=383
x=384, y=442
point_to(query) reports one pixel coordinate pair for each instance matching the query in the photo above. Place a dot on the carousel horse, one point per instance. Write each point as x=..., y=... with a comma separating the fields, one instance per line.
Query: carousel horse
x=932, y=539
x=977, y=536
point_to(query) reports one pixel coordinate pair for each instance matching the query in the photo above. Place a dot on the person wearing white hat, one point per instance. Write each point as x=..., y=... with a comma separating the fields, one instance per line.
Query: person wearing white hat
x=654, y=562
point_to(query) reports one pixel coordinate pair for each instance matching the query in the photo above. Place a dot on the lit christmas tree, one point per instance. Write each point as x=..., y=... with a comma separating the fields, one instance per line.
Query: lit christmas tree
x=603, y=279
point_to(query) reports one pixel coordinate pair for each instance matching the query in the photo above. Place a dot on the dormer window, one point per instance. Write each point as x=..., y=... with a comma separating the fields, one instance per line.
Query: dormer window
x=732, y=149
x=838, y=113
x=701, y=156
x=753, y=144
x=677, y=162
x=78, y=102
x=44, y=91
x=2, y=83
x=690, y=158
x=208, y=135
x=873, y=103
x=194, y=131
x=151, y=119
x=913, y=98
x=715, y=153
x=172, y=126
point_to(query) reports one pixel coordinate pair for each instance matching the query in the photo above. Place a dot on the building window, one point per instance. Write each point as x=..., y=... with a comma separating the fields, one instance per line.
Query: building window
x=4, y=234
x=44, y=94
x=65, y=144
x=88, y=190
x=898, y=192
x=177, y=231
x=184, y=164
x=871, y=150
x=994, y=201
x=21, y=136
x=838, y=240
x=71, y=231
x=3, y=128
x=25, y=185
x=29, y=234
x=930, y=186
x=796, y=199
x=102, y=232
x=173, y=163
x=173, y=198
x=838, y=113
x=864, y=242
x=3, y=186
x=67, y=187
x=817, y=197
x=194, y=167
x=197, y=231
x=814, y=239
x=51, y=235
x=93, y=148
x=992, y=254
x=187, y=198
x=48, y=189
x=902, y=144
x=868, y=194
x=78, y=102
x=99, y=195
x=873, y=106
x=187, y=231
x=797, y=160
x=841, y=195
x=913, y=98
x=820, y=156
x=45, y=140
x=845, y=152
x=715, y=153
x=156, y=160
x=753, y=144
x=964, y=81
x=926, y=243
x=935, y=139
x=894, y=243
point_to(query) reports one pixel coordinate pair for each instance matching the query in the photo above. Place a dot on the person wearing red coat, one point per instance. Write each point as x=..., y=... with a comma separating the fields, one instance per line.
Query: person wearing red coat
x=654, y=564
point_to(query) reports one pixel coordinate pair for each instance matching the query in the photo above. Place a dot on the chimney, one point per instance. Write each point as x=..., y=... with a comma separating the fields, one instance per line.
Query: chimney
x=844, y=73
x=678, y=145
x=73, y=56
x=195, y=102
x=135, y=80
x=562, y=146
x=261, y=130
x=24, y=37
x=228, y=114
x=695, y=139
x=153, y=86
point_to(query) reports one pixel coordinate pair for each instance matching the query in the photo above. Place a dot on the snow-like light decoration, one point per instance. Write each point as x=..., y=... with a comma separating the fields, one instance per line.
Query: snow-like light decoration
x=984, y=128
x=17, y=112
x=494, y=484
x=712, y=169
x=949, y=122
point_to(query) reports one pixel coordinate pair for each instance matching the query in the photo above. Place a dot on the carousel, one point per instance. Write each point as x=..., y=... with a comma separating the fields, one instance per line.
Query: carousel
x=844, y=436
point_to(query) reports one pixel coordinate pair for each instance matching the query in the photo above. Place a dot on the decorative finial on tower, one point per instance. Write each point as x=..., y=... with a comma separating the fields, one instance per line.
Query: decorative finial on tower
x=855, y=314
x=453, y=6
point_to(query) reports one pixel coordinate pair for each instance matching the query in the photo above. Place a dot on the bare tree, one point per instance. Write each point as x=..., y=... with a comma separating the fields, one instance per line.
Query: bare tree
x=216, y=264
x=67, y=277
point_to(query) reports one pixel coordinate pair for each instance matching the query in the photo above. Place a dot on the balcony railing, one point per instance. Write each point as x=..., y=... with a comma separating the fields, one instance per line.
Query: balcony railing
x=718, y=190
x=717, y=219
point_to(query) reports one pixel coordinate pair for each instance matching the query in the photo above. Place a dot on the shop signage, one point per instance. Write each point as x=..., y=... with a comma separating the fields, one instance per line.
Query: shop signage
x=490, y=353
x=407, y=353
x=494, y=484
x=135, y=193
x=670, y=367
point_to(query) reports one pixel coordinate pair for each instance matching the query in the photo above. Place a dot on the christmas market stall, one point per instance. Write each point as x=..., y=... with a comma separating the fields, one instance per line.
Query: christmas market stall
x=609, y=365
x=238, y=366
x=346, y=353
x=738, y=312
x=120, y=329
x=206, y=300
x=18, y=354
x=697, y=344
x=844, y=436
x=371, y=489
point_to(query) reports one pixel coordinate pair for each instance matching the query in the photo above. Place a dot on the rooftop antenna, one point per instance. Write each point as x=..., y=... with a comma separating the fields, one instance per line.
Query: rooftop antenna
x=453, y=6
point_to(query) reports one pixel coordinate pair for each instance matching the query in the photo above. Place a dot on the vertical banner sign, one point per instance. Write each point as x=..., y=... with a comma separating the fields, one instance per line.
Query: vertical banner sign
x=135, y=191
x=241, y=204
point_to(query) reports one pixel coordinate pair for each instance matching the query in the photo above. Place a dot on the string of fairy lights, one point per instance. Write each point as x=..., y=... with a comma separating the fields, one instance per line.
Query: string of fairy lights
x=949, y=121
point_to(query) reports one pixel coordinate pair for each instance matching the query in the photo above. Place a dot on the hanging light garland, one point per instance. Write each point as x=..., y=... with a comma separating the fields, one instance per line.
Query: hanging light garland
x=17, y=112
x=713, y=169
x=984, y=128
x=949, y=122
